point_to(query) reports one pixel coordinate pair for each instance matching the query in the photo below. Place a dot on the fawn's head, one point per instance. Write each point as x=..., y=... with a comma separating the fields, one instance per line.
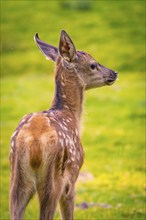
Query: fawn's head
x=89, y=72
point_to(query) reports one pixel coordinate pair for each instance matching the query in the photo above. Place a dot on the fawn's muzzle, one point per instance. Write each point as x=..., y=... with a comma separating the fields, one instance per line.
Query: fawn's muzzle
x=112, y=77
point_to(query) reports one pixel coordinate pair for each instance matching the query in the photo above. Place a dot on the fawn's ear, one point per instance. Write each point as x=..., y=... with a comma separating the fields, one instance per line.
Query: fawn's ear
x=49, y=51
x=66, y=47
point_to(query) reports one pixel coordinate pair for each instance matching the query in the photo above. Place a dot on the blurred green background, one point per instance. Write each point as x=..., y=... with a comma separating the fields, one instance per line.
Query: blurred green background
x=113, y=137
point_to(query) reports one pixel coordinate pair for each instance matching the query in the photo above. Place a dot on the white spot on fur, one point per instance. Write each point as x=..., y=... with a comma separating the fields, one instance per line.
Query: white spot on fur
x=51, y=114
x=34, y=114
x=78, y=156
x=63, y=135
x=61, y=142
x=12, y=144
x=53, y=119
x=14, y=134
x=48, y=121
x=74, y=152
x=62, y=76
x=70, y=119
x=72, y=158
x=61, y=125
x=66, y=106
x=64, y=96
x=76, y=132
x=78, y=167
x=60, y=134
x=75, y=140
x=64, y=123
x=62, y=83
x=67, y=136
x=29, y=120
x=22, y=121
x=65, y=128
x=11, y=151
x=71, y=143
x=66, y=141
x=68, y=161
x=70, y=150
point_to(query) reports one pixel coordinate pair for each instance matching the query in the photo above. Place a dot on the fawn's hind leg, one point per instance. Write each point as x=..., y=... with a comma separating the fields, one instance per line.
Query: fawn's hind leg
x=49, y=195
x=21, y=191
x=67, y=202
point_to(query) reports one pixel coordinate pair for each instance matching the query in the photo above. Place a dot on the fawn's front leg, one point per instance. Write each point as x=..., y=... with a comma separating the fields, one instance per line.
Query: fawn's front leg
x=67, y=202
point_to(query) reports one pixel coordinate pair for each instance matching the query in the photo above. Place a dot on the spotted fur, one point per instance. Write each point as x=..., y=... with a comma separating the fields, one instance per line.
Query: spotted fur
x=46, y=152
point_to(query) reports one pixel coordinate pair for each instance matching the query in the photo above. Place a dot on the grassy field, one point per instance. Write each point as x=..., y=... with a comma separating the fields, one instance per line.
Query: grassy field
x=114, y=117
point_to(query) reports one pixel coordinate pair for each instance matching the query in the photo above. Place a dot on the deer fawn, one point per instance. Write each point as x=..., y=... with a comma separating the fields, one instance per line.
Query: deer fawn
x=46, y=152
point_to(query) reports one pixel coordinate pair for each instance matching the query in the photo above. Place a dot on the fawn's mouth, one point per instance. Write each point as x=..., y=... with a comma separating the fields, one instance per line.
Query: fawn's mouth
x=112, y=79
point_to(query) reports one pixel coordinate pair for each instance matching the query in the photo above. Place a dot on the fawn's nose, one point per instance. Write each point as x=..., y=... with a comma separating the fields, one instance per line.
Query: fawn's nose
x=114, y=74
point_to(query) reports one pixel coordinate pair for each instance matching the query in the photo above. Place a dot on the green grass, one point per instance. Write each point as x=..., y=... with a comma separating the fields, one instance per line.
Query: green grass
x=114, y=117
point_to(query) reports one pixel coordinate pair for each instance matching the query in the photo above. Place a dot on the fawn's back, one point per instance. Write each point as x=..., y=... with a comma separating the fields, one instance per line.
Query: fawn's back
x=48, y=137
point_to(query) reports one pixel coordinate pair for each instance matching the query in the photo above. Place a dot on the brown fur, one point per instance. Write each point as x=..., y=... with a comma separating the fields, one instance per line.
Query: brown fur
x=46, y=151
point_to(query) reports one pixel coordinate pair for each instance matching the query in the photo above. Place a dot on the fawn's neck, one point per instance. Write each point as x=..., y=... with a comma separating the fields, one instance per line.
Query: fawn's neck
x=68, y=93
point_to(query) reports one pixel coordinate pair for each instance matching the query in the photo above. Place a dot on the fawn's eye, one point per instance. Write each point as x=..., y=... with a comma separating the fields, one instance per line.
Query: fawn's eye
x=93, y=66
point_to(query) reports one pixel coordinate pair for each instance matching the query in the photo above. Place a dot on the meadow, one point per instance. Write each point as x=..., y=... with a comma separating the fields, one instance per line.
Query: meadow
x=112, y=182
